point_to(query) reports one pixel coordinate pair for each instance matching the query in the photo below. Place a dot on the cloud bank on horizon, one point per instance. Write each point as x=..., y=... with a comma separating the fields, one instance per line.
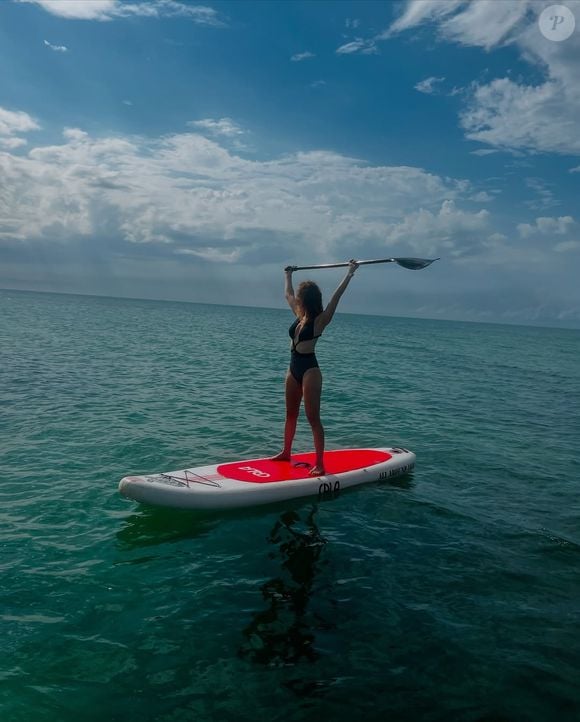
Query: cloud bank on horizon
x=253, y=158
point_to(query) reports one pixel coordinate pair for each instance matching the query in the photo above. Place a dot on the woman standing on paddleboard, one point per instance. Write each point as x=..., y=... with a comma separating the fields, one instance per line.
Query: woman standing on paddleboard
x=304, y=379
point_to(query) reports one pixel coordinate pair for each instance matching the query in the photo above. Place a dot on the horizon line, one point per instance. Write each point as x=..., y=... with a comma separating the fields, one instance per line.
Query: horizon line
x=557, y=325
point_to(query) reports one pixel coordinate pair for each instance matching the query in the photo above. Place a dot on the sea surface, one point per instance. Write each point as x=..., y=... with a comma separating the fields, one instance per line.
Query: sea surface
x=453, y=594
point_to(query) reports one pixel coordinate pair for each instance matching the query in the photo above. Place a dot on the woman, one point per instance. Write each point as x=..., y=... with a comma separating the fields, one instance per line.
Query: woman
x=304, y=379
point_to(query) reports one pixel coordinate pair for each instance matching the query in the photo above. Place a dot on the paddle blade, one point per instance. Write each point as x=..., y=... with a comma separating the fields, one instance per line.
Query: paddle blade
x=414, y=264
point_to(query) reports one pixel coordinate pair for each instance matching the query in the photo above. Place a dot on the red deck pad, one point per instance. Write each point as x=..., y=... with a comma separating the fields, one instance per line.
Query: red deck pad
x=265, y=471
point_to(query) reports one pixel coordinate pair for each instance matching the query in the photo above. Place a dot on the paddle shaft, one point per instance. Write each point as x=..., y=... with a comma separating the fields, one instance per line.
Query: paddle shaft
x=410, y=263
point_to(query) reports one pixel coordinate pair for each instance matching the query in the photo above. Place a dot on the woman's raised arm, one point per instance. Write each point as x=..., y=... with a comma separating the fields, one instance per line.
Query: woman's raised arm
x=326, y=316
x=289, y=290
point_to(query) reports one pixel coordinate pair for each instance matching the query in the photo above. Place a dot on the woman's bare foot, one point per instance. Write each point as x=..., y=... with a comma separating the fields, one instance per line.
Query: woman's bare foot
x=280, y=457
x=317, y=471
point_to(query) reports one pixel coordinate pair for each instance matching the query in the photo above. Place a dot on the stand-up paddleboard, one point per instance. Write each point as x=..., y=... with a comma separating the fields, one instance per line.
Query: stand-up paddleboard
x=263, y=481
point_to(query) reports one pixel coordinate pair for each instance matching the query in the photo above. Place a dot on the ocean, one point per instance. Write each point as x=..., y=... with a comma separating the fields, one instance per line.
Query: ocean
x=451, y=594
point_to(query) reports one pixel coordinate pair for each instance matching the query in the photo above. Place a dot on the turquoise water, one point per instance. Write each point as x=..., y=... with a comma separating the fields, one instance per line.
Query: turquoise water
x=450, y=595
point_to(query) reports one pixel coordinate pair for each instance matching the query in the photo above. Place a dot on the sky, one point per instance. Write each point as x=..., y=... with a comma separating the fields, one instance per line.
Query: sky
x=184, y=151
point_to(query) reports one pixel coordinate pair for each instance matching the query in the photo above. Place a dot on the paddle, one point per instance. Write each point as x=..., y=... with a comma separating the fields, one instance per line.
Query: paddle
x=412, y=264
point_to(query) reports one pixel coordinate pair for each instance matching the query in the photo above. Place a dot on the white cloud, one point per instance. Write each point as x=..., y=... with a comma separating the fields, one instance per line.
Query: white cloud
x=543, y=116
x=483, y=23
x=566, y=246
x=302, y=56
x=13, y=123
x=104, y=10
x=427, y=86
x=575, y=170
x=56, y=48
x=534, y=118
x=352, y=23
x=190, y=194
x=358, y=45
x=16, y=122
x=418, y=12
x=12, y=143
x=212, y=254
x=544, y=195
x=450, y=228
x=482, y=197
x=78, y=9
x=496, y=239
x=546, y=225
x=224, y=127
x=75, y=135
x=136, y=209
x=484, y=151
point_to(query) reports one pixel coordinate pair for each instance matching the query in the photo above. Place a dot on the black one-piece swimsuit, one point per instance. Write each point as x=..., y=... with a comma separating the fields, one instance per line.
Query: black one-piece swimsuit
x=301, y=362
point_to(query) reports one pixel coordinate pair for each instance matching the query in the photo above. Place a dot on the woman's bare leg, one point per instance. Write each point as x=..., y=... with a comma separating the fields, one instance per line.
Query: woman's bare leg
x=312, y=390
x=293, y=399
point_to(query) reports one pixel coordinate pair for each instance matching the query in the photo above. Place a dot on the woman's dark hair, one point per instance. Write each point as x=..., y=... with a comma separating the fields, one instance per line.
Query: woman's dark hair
x=309, y=299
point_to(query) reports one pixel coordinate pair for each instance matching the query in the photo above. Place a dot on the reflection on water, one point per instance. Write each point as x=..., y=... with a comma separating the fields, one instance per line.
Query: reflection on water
x=152, y=525
x=284, y=632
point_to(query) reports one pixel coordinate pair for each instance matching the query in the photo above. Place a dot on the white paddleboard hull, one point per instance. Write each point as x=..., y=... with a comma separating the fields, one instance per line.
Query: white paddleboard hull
x=211, y=487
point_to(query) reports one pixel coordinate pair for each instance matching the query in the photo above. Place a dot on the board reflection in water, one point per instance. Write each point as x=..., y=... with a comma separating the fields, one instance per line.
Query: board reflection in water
x=285, y=632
